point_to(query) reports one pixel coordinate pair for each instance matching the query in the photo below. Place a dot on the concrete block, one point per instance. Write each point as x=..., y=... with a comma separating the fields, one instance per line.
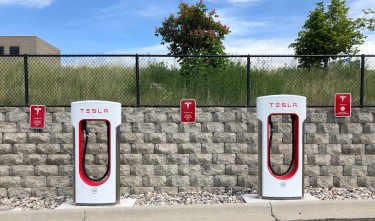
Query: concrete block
x=154, y=181
x=213, y=127
x=14, y=138
x=154, y=159
x=142, y=170
x=34, y=181
x=22, y=170
x=201, y=180
x=166, y=148
x=46, y=192
x=39, y=137
x=58, y=181
x=19, y=192
x=236, y=170
x=167, y=128
x=178, y=181
x=200, y=159
x=10, y=181
x=201, y=138
x=186, y=170
x=34, y=159
x=211, y=170
x=142, y=148
x=132, y=138
x=225, y=181
x=8, y=149
x=131, y=181
x=48, y=148
x=59, y=159
x=144, y=128
x=166, y=170
x=155, y=138
x=178, y=138
x=208, y=148
x=137, y=117
x=224, y=158
x=224, y=138
x=47, y=170
x=11, y=159
x=354, y=149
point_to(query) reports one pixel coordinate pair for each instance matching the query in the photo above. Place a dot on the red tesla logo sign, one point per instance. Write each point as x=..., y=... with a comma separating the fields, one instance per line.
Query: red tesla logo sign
x=343, y=104
x=187, y=111
x=37, y=116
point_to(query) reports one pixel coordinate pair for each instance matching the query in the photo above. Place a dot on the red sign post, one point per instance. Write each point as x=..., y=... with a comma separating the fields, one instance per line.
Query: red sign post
x=37, y=116
x=187, y=110
x=343, y=104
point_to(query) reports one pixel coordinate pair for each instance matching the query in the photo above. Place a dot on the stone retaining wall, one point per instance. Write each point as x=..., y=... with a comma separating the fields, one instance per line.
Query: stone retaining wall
x=158, y=153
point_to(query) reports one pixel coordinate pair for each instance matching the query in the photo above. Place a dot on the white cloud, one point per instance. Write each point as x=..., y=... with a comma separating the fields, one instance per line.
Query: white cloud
x=253, y=46
x=154, y=49
x=279, y=46
x=126, y=8
x=369, y=46
x=356, y=7
x=239, y=46
x=239, y=25
x=28, y=3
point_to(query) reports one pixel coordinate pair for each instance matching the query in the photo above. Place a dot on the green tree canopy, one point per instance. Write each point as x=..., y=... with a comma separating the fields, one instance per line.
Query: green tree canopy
x=328, y=32
x=369, y=19
x=193, y=31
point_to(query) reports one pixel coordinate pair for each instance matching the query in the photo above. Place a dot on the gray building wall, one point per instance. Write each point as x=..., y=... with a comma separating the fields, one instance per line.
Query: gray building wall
x=158, y=153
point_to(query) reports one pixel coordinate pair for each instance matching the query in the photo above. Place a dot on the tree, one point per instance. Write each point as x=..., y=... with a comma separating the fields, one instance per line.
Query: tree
x=328, y=32
x=193, y=31
x=369, y=22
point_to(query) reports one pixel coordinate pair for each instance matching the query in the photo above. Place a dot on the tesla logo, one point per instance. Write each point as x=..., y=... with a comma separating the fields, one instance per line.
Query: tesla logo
x=342, y=98
x=283, y=184
x=94, y=110
x=283, y=104
x=37, y=110
x=188, y=105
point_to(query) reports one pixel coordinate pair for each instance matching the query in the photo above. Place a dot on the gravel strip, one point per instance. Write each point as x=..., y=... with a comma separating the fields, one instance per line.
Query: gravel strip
x=31, y=203
x=342, y=193
x=185, y=198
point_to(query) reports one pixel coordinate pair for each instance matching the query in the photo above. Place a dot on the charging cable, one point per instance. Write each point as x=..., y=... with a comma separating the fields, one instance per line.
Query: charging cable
x=293, y=148
x=85, y=133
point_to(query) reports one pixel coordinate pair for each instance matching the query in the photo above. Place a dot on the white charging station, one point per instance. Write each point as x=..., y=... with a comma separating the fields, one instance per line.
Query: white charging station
x=91, y=190
x=274, y=184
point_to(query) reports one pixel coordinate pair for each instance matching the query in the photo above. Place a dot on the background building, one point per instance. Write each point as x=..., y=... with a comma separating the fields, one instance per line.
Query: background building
x=20, y=45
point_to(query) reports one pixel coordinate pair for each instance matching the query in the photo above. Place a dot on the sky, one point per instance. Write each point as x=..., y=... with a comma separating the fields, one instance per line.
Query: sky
x=261, y=27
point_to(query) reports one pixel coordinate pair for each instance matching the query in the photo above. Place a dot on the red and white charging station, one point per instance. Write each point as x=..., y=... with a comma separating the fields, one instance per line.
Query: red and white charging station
x=101, y=188
x=272, y=183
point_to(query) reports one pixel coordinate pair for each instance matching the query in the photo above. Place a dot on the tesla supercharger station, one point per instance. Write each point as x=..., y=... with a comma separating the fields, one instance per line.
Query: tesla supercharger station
x=101, y=188
x=273, y=183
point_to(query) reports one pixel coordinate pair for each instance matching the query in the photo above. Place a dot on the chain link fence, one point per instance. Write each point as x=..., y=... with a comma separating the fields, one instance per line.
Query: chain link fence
x=163, y=80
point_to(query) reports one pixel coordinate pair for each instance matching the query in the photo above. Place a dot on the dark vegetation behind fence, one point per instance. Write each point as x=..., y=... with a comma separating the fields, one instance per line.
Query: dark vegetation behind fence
x=160, y=81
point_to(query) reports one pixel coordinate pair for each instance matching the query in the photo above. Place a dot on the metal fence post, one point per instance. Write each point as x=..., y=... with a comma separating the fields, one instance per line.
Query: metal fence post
x=248, y=97
x=362, y=92
x=137, y=84
x=26, y=72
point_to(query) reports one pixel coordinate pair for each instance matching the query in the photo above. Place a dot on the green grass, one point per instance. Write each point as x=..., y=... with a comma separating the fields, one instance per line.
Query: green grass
x=319, y=85
x=163, y=84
